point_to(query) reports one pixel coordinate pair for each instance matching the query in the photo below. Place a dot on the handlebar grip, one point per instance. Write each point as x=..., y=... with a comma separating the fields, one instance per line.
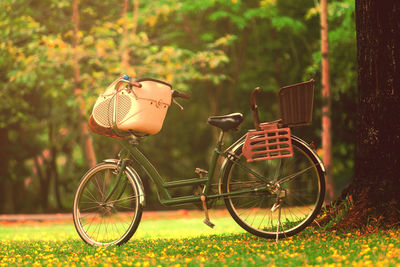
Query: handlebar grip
x=180, y=95
x=136, y=84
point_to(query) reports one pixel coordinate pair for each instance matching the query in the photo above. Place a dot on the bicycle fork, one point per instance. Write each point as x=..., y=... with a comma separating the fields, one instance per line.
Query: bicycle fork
x=121, y=164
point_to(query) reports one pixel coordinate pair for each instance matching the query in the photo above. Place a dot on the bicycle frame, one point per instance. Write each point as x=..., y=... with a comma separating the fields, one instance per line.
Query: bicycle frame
x=163, y=186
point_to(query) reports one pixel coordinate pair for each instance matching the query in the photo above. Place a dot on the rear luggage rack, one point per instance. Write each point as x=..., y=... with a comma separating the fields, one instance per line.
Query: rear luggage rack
x=271, y=142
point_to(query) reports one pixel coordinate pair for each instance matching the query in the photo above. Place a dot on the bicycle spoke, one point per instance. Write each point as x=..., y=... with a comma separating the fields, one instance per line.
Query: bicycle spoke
x=122, y=199
x=86, y=209
x=292, y=176
x=98, y=187
x=92, y=196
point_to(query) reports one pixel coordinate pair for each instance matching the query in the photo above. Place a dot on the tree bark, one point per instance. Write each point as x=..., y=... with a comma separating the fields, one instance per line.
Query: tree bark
x=44, y=179
x=276, y=57
x=135, y=16
x=326, y=104
x=124, y=41
x=5, y=192
x=125, y=57
x=375, y=188
x=86, y=139
x=53, y=166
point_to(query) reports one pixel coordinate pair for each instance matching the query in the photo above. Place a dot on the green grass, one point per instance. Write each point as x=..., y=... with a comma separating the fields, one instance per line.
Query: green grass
x=188, y=242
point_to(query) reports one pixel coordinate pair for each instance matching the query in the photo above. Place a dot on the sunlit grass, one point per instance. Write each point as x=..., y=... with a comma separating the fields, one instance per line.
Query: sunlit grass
x=188, y=242
x=148, y=229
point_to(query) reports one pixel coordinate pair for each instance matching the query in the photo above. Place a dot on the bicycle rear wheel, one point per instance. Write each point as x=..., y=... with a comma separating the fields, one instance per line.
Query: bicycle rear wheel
x=298, y=180
x=107, y=210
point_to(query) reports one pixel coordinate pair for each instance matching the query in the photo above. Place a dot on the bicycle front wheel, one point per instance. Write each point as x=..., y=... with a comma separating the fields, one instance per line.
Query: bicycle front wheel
x=107, y=208
x=294, y=199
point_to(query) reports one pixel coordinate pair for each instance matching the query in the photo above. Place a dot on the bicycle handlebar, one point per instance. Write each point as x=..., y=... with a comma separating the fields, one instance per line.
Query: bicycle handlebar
x=254, y=108
x=177, y=94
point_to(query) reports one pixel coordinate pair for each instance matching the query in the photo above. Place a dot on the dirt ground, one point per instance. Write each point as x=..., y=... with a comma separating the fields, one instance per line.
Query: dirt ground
x=7, y=219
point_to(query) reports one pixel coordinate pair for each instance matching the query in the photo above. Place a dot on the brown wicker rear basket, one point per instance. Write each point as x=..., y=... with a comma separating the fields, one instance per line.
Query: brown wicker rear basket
x=296, y=103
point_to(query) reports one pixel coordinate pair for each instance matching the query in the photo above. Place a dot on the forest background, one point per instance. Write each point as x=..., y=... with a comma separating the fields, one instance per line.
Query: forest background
x=216, y=50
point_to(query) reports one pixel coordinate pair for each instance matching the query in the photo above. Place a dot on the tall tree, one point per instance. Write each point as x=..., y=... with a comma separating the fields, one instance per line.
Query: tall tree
x=124, y=51
x=374, y=191
x=127, y=36
x=326, y=102
x=86, y=139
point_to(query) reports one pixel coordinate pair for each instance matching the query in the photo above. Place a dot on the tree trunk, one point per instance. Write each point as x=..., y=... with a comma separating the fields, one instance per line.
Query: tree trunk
x=86, y=139
x=5, y=192
x=239, y=58
x=44, y=180
x=326, y=104
x=6, y=198
x=124, y=41
x=135, y=15
x=125, y=57
x=18, y=190
x=375, y=187
x=276, y=57
x=53, y=166
x=213, y=94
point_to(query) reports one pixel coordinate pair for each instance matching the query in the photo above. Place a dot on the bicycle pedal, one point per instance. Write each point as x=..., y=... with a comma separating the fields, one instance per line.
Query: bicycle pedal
x=208, y=223
x=201, y=172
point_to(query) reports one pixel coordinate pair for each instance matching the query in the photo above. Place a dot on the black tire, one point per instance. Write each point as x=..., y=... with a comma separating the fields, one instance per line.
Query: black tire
x=112, y=222
x=302, y=196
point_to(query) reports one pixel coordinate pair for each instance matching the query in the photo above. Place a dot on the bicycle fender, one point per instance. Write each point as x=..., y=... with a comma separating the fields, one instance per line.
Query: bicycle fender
x=320, y=163
x=135, y=177
x=235, y=150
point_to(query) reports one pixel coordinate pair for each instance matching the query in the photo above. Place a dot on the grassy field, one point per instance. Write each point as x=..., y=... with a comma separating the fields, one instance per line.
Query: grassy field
x=188, y=242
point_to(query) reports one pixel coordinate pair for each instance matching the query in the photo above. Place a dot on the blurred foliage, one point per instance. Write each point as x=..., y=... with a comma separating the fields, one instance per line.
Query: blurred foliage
x=217, y=50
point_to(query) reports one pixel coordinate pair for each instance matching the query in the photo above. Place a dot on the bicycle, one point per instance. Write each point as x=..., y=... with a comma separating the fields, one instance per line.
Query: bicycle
x=275, y=197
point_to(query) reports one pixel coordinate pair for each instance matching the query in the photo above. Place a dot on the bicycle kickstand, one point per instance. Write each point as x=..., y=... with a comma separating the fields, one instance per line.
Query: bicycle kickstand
x=207, y=219
x=276, y=206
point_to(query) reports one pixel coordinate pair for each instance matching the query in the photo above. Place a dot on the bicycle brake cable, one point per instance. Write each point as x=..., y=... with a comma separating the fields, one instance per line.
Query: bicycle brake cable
x=177, y=103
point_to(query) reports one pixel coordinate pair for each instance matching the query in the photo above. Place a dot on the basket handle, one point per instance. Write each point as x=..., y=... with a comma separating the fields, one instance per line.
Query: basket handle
x=254, y=108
